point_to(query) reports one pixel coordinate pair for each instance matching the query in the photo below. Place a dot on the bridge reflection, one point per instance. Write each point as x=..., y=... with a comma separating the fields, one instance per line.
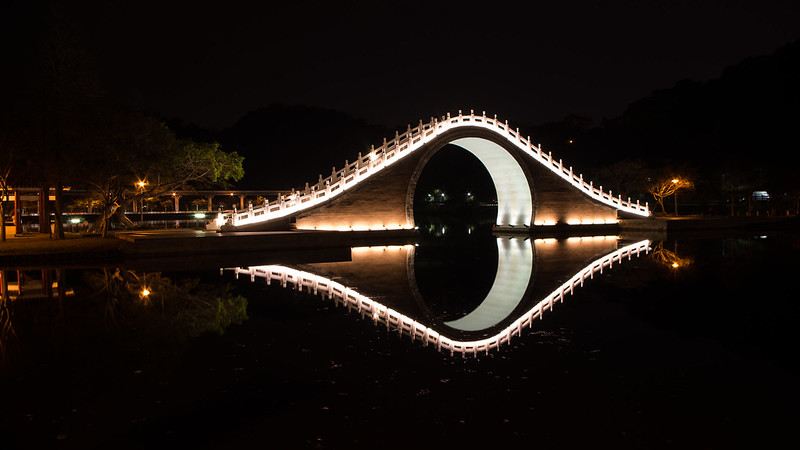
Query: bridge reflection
x=380, y=283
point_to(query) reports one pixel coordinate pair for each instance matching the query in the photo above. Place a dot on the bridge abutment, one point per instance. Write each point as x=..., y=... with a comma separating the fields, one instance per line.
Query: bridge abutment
x=382, y=203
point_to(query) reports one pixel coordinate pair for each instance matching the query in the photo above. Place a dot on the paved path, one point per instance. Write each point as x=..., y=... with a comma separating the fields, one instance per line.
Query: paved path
x=27, y=243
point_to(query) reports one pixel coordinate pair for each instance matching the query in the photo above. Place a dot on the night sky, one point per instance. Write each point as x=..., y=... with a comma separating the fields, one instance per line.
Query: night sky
x=396, y=62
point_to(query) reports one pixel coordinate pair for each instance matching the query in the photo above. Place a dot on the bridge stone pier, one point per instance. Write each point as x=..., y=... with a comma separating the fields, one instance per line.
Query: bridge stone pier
x=376, y=191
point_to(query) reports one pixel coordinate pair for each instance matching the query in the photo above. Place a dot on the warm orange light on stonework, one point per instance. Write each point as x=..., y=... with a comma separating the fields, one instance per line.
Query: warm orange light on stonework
x=506, y=164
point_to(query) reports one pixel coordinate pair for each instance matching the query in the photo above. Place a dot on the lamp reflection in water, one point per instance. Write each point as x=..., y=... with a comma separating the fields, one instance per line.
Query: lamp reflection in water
x=671, y=258
x=500, y=316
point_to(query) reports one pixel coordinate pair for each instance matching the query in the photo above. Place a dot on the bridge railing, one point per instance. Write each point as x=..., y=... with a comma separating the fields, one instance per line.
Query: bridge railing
x=395, y=149
x=405, y=325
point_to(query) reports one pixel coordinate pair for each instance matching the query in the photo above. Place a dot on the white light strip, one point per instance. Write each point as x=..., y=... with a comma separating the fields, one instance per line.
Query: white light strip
x=403, y=144
x=403, y=324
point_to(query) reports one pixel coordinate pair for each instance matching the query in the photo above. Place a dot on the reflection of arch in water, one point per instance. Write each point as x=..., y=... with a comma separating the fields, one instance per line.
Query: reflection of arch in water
x=526, y=269
x=405, y=325
x=513, y=278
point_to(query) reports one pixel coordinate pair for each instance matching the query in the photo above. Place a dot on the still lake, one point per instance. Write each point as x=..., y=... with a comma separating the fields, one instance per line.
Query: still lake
x=681, y=342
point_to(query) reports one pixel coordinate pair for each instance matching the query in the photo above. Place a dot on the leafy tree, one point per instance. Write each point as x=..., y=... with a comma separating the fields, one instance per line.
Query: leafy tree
x=163, y=308
x=665, y=187
x=203, y=163
x=200, y=203
x=67, y=88
x=134, y=156
x=670, y=258
x=71, y=134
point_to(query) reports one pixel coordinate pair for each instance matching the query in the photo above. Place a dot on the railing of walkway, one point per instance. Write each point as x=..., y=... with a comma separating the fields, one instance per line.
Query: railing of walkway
x=405, y=325
x=403, y=144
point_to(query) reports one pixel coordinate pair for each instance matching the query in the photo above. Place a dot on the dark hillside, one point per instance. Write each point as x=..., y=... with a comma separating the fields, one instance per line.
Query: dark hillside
x=287, y=146
x=739, y=129
x=750, y=112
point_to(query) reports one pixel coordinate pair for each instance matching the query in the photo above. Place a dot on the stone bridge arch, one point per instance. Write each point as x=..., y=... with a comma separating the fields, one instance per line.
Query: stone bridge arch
x=512, y=180
x=527, y=194
x=377, y=190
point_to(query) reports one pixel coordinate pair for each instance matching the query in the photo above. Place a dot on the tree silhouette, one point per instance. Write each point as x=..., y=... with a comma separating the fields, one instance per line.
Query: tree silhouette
x=663, y=188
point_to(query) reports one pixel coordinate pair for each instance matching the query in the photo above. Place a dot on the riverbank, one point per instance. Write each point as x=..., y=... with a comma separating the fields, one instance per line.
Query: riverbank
x=39, y=250
x=187, y=247
x=661, y=227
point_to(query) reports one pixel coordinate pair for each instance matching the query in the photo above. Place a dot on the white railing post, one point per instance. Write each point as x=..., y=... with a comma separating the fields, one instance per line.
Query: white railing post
x=412, y=137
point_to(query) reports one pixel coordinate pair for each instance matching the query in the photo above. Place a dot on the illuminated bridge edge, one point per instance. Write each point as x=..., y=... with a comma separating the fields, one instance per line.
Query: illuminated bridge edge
x=394, y=150
x=405, y=325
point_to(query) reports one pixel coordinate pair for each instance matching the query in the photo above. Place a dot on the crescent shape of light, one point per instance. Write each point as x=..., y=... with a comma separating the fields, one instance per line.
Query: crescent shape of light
x=514, y=202
x=378, y=159
x=514, y=269
x=395, y=320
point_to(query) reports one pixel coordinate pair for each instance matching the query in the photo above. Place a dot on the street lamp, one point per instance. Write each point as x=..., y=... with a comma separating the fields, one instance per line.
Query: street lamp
x=141, y=184
x=675, y=182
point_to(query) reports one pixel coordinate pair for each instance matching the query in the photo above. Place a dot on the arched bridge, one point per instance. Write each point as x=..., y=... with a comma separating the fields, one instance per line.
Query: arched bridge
x=376, y=191
x=531, y=277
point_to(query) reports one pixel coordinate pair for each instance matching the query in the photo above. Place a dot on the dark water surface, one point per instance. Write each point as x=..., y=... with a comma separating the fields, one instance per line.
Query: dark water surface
x=644, y=355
